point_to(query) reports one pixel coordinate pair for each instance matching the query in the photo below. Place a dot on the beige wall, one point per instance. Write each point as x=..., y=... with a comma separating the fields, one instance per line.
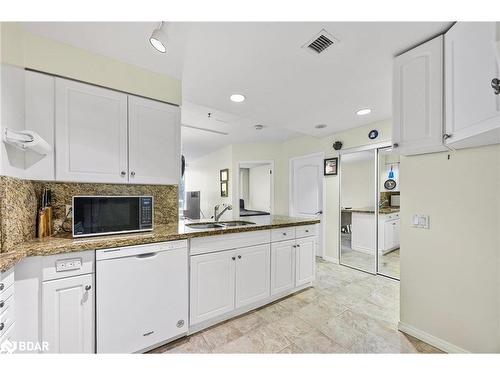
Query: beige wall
x=358, y=179
x=21, y=48
x=450, y=273
x=203, y=175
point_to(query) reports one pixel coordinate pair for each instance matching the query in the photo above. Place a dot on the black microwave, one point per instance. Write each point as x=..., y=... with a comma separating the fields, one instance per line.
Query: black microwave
x=100, y=215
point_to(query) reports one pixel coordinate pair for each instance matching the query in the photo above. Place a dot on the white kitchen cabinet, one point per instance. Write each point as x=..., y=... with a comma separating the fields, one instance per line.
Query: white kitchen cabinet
x=212, y=285
x=305, y=260
x=154, y=142
x=68, y=314
x=253, y=271
x=418, y=99
x=91, y=133
x=282, y=266
x=389, y=235
x=472, y=50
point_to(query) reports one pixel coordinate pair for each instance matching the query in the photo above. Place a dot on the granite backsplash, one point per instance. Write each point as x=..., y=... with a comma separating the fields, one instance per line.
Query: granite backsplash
x=19, y=203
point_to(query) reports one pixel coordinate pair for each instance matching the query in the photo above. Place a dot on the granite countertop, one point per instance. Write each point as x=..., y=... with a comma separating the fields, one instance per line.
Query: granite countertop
x=371, y=210
x=65, y=243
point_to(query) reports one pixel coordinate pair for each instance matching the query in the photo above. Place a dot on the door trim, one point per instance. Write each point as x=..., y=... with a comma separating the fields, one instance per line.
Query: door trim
x=323, y=198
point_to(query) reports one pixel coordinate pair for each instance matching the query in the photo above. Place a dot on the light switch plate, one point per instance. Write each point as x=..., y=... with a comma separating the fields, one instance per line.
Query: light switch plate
x=420, y=221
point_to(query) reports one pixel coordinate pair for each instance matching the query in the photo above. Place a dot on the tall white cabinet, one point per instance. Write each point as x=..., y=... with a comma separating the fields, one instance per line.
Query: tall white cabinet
x=418, y=99
x=91, y=133
x=472, y=52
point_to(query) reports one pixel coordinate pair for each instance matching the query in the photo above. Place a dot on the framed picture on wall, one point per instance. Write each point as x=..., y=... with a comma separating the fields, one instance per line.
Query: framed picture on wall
x=331, y=167
x=224, y=175
x=224, y=189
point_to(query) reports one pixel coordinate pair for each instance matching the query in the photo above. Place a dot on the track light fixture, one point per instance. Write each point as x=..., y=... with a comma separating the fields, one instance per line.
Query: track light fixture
x=159, y=38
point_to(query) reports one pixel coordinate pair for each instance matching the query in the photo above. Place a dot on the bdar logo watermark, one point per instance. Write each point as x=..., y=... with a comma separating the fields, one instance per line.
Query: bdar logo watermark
x=10, y=347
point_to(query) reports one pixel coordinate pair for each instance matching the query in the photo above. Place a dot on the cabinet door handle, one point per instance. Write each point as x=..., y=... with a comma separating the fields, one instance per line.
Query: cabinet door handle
x=1, y=326
x=495, y=84
x=298, y=245
x=239, y=256
x=2, y=304
x=2, y=286
x=233, y=258
x=88, y=287
x=395, y=145
x=132, y=173
x=123, y=173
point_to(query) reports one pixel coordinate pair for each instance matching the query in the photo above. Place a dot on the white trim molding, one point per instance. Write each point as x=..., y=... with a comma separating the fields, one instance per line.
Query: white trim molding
x=430, y=339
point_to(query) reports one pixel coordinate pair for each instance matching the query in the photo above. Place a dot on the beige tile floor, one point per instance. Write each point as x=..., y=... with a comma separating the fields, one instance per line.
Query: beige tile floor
x=347, y=311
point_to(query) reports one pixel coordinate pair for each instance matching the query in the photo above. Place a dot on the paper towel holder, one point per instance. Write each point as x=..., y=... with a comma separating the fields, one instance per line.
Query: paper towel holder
x=26, y=140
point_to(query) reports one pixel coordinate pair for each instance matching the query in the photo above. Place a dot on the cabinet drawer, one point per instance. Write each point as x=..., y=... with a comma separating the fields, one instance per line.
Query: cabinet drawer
x=203, y=245
x=306, y=231
x=84, y=264
x=6, y=318
x=6, y=279
x=282, y=234
x=6, y=298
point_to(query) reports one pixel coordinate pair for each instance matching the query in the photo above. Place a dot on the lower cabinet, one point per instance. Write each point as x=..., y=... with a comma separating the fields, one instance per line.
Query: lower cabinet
x=212, y=285
x=282, y=266
x=223, y=281
x=68, y=314
x=304, y=260
x=252, y=274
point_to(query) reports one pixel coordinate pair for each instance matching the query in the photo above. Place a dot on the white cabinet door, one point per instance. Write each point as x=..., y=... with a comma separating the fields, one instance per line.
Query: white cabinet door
x=252, y=274
x=282, y=266
x=395, y=230
x=154, y=142
x=304, y=261
x=68, y=314
x=91, y=133
x=212, y=285
x=418, y=99
x=39, y=117
x=388, y=235
x=472, y=107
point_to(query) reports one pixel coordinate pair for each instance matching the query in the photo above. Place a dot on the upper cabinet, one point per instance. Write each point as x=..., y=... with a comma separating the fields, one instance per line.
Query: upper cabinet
x=418, y=99
x=472, y=89
x=154, y=142
x=91, y=133
x=108, y=136
x=462, y=77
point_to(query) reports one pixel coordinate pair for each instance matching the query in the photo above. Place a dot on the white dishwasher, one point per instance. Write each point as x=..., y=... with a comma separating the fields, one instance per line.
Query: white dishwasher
x=141, y=296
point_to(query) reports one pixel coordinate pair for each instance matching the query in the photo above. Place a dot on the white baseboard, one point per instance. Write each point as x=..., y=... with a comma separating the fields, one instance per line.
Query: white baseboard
x=331, y=259
x=430, y=339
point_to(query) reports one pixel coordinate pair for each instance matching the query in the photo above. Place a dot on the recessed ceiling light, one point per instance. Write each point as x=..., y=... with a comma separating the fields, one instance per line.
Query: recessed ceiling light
x=320, y=126
x=363, y=111
x=159, y=38
x=238, y=98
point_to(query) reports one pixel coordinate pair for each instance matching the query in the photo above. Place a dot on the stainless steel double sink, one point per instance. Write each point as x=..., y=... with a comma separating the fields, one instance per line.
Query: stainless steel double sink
x=219, y=224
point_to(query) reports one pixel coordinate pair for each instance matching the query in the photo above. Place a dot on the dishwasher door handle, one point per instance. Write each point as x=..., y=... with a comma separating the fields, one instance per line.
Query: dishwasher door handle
x=147, y=255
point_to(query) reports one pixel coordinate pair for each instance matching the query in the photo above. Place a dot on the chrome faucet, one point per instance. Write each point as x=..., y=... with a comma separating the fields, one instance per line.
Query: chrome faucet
x=218, y=214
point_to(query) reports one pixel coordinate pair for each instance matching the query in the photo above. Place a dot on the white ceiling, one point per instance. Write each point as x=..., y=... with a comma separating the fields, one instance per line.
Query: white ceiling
x=286, y=86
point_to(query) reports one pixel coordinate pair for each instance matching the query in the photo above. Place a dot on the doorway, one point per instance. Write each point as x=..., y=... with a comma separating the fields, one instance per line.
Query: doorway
x=369, y=210
x=306, y=191
x=255, y=189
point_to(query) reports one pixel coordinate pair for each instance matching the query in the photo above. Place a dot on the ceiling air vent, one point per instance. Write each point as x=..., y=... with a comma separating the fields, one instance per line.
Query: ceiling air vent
x=320, y=42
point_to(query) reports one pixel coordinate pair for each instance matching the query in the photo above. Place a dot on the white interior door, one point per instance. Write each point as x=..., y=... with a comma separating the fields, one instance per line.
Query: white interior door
x=306, y=191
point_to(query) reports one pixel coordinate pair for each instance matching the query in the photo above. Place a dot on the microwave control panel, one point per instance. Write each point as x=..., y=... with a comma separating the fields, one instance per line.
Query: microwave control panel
x=146, y=212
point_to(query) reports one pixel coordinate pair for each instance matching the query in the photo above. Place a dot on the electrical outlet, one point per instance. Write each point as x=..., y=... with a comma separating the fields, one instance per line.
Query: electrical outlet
x=68, y=210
